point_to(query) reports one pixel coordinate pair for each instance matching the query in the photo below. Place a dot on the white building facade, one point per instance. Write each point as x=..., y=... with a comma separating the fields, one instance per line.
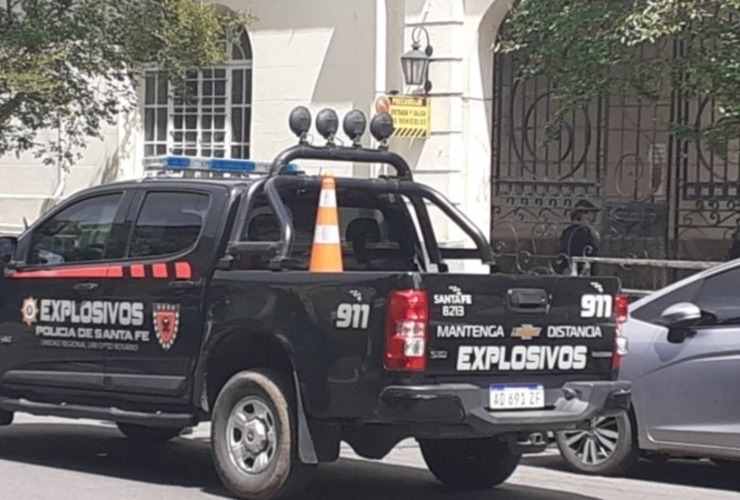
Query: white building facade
x=341, y=54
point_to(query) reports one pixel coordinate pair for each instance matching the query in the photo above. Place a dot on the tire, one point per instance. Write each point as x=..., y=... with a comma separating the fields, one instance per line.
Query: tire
x=257, y=409
x=608, y=448
x=144, y=434
x=469, y=464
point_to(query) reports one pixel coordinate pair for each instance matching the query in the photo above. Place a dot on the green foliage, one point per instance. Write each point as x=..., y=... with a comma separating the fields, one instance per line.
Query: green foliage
x=68, y=66
x=589, y=47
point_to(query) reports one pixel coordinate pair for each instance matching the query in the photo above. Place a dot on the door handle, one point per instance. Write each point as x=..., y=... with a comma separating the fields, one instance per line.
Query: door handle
x=528, y=300
x=181, y=286
x=84, y=287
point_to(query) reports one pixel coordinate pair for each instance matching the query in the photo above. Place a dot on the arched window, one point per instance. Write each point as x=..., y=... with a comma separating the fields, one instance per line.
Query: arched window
x=213, y=121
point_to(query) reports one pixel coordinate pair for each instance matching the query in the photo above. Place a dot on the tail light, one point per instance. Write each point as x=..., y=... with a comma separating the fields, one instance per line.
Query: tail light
x=621, y=315
x=407, y=324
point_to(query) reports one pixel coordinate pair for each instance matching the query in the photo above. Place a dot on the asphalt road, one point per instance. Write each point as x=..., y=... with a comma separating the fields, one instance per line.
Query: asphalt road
x=46, y=458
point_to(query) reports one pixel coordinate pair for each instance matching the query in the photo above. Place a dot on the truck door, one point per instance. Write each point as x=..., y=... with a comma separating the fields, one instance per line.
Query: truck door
x=49, y=300
x=172, y=246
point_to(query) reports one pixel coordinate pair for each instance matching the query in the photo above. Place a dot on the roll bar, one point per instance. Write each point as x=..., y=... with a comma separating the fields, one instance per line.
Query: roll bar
x=340, y=153
x=272, y=187
x=381, y=128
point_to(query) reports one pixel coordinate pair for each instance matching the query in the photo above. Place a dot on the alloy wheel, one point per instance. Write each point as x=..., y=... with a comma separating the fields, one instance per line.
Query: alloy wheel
x=252, y=435
x=594, y=446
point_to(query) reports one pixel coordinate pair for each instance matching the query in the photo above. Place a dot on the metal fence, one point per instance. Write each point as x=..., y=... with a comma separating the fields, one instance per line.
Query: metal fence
x=610, y=185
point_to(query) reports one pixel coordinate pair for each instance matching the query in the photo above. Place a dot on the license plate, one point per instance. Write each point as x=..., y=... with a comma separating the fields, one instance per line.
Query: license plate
x=510, y=397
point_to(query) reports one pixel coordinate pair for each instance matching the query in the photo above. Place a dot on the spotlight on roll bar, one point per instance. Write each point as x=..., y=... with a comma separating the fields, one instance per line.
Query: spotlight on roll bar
x=354, y=126
x=382, y=128
x=300, y=122
x=327, y=123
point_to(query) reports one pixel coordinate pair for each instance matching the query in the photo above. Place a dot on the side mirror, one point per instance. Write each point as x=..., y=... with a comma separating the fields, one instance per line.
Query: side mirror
x=8, y=244
x=678, y=318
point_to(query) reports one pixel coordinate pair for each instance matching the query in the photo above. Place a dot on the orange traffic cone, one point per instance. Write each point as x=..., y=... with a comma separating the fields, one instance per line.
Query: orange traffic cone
x=326, y=253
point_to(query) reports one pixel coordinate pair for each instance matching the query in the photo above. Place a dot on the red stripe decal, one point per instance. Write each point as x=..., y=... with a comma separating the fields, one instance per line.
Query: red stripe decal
x=115, y=272
x=138, y=271
x=183, y=271
x=100, y=272
x=159, y=271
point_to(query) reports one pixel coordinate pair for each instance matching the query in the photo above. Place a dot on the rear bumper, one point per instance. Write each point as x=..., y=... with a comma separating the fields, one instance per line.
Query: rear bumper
x=464, y=406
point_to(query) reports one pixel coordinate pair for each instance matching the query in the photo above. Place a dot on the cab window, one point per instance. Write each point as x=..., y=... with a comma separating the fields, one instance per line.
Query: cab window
x=376, y=231
x=78, y=233
x=168, y=223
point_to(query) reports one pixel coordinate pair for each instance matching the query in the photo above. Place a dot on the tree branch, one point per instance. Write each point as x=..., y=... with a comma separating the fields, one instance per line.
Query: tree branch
x=7, y=109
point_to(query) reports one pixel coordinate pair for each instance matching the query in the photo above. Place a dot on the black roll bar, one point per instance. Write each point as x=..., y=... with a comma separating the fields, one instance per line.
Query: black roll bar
x=341, y=153
x=395, y=186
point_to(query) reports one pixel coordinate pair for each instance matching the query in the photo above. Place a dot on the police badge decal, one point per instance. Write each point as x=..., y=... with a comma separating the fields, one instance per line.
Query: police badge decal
x=166, y=323
x=30, y=311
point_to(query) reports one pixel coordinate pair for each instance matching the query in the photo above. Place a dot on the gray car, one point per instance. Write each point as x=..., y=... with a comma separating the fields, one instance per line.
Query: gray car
x=684, y=365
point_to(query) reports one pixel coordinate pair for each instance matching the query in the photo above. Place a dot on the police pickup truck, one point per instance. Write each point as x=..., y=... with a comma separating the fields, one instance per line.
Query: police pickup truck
x=187, y=297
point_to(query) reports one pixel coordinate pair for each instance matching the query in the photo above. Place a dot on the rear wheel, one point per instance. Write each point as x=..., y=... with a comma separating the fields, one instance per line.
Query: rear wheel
x=253, y=435
x=146, y=434
x=469, y=464
x=607, y=447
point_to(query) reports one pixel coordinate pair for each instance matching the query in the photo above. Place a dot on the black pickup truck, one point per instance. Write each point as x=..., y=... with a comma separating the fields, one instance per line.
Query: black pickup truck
x=187, y=297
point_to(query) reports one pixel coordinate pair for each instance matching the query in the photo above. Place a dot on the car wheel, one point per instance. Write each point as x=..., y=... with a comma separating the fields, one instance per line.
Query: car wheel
x=607, y=447
x=469, y=464
x=146, y=434
x=253, y=435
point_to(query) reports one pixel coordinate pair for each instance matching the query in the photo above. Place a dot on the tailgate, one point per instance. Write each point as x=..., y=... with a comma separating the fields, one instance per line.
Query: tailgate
x=510, y=325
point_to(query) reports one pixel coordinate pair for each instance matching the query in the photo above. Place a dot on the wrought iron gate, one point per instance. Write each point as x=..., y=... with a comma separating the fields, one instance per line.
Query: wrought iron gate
x=608, y=180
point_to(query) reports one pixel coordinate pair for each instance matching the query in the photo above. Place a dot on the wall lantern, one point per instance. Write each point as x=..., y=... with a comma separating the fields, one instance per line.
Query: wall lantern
x=415, y=63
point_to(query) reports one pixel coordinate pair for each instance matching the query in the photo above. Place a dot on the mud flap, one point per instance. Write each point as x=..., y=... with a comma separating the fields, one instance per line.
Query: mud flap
x=306, y=448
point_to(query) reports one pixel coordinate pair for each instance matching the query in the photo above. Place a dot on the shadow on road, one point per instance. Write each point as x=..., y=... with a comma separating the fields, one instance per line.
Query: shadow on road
x=187, y=463
x=695, y=473
x=361, y=480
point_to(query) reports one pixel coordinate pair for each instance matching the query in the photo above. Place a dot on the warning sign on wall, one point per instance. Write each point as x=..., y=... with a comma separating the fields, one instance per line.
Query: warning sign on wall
x=411, y=116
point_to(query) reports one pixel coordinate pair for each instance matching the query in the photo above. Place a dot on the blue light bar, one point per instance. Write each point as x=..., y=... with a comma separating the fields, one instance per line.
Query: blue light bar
x=212, y=164
x=169, y=162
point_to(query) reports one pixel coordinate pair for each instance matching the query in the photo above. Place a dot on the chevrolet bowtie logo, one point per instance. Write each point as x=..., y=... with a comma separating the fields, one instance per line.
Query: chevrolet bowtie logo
x=526, y=332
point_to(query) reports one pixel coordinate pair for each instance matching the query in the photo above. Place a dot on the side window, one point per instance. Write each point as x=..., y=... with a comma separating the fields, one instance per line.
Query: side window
x=168, y=223
x=79, y=233
x=651, y=311
x=720, y=297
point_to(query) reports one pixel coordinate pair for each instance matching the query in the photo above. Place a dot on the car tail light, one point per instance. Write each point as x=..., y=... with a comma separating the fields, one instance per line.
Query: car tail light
x=406, y=333
x=621, y=315
x=621, y=308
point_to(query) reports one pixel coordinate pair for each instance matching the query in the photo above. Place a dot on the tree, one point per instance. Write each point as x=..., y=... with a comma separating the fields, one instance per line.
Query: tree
x=588, y=48
x=71, y=65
